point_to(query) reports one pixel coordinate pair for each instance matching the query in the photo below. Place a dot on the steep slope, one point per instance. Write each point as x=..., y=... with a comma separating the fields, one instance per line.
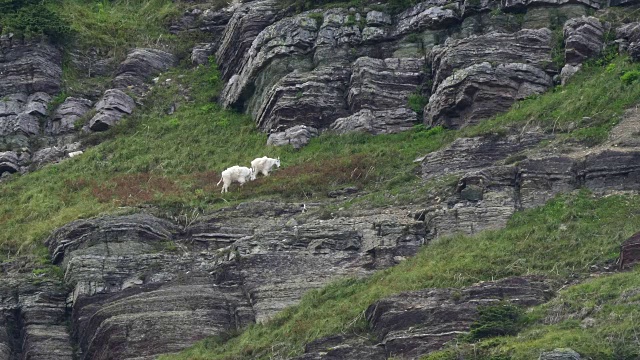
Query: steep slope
x=143, y=257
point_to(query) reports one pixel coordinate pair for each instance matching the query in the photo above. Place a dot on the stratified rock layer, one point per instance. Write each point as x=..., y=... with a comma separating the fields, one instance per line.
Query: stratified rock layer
x=135, y=298
x=583, y=38
x=415, y=323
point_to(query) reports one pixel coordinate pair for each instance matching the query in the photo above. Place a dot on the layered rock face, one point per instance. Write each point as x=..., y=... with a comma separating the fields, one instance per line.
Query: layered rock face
x=144, y=286
x=110, y=109
x=416, y=323
x=33, y=319
x=29, y=68
x=140, y=66
x=37, y=133
x=487, y=62
x=499, y=176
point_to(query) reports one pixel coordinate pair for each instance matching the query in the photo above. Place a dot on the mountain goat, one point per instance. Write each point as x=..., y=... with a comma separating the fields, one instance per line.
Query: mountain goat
x=264, y=165
x=236, y=173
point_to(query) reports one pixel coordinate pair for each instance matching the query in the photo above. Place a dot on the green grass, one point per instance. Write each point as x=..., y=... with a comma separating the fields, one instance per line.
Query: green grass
x=174, y=161
x=610, y=301
x=583, y=110
x=563, y=238
x=114, y=27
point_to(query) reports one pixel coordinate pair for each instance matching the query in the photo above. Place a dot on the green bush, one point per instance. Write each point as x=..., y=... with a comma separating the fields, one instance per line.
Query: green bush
x=496, y=320
x=417, y=102
x=30, y=18
x=630, y=76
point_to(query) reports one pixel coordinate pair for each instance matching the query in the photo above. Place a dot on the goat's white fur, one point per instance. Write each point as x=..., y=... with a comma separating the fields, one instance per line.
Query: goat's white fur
x=264, y=165
x=236, y=173
x=75, y=153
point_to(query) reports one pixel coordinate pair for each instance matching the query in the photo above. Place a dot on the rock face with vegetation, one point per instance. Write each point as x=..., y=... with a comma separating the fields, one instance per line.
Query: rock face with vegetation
x=401, y=126
x=415, y=323
x=144, y=286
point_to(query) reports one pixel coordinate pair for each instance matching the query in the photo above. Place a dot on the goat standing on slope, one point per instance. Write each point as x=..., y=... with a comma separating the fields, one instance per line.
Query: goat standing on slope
x=264, y=165
x=236, y=173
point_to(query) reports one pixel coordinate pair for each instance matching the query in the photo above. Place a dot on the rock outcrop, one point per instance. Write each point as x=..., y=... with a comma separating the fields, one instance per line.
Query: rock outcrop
x=532, y=47
x=482, y=91
x=498, y=176
x=33, y=319
x=491, y=72
x=560, y=354
x=583, y=38
x=629, y=252
x=297, y=136
x=628, y=36
x=65, y=116
x=415, y=323
x=377, y=122
x=140, y=66
x=381, y=84
x=28, y=68
x=110, y=109
x=315, y=99
x=342, y=347
x=20, y=114
x=244, y=26
x=137, y=275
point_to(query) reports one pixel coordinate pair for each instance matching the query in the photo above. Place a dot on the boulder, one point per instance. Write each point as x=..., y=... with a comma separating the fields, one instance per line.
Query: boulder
x=377, y=121
x=113, y=105
x=560, y=354
x=583, y=39
x=629, y=252
x=9, y=162
x=297, y=136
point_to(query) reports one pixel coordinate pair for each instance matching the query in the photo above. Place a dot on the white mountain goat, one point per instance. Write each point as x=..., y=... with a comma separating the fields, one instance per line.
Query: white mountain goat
x=236, y=173
x=264, y=165
x=75, y=153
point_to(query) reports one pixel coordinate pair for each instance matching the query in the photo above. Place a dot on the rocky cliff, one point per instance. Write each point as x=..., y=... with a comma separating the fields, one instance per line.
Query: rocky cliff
x=138, y=285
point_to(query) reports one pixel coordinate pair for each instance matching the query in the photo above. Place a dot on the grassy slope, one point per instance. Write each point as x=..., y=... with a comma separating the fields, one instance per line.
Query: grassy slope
x=611, y=302
x=563, y=238
x=171, y=161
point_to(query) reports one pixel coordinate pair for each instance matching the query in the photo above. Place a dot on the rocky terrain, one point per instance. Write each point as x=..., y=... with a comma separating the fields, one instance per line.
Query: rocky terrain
x=138, y=285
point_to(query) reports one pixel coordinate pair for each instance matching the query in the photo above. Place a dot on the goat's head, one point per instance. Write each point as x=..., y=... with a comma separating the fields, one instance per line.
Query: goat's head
x=252, y=174
x=278, y=161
